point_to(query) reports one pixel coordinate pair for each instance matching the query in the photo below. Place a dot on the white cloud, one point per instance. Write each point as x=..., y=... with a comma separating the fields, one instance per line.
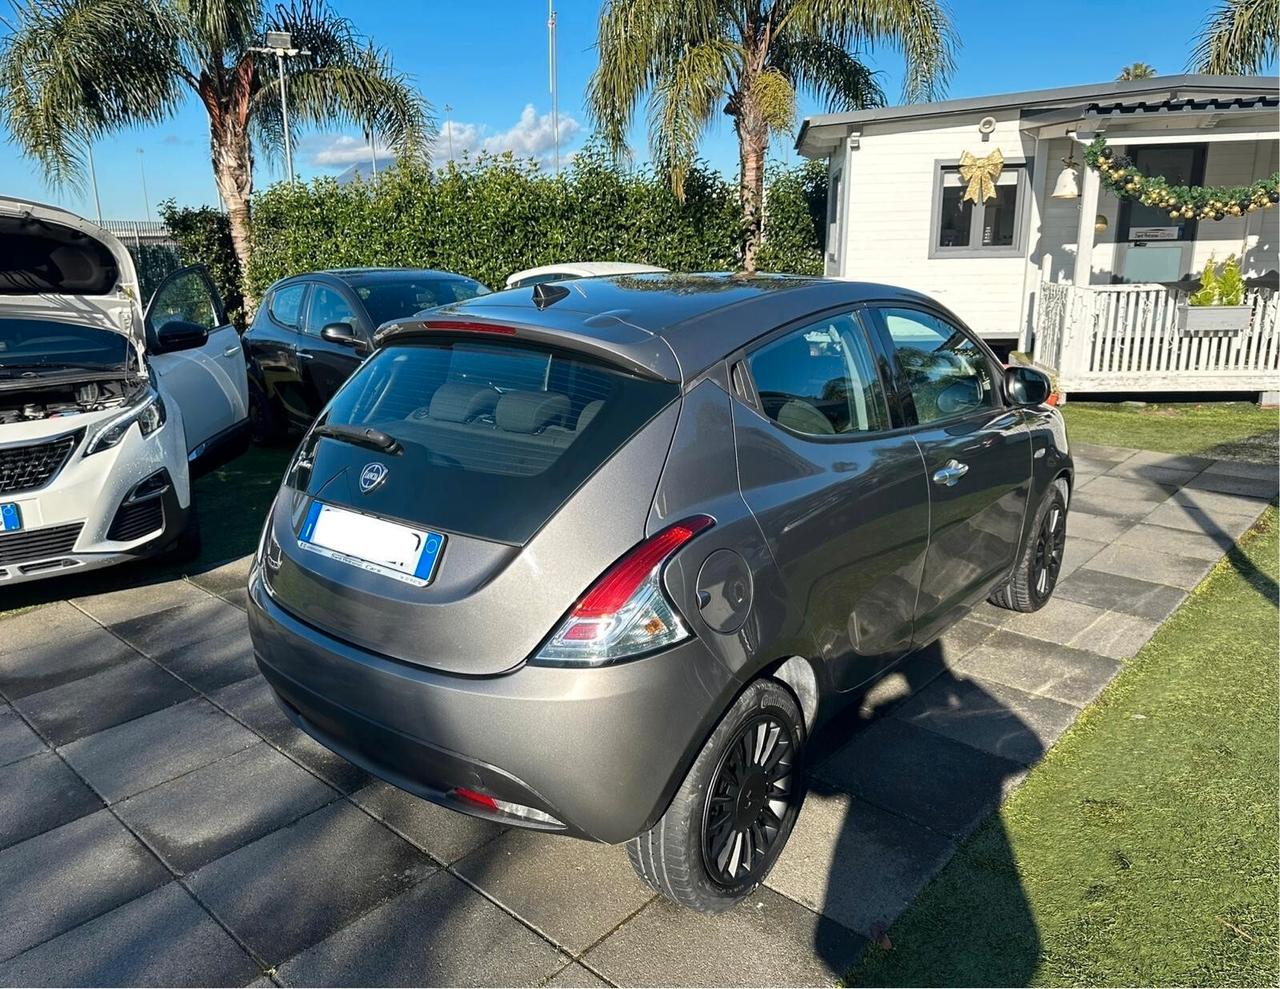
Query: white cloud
x=338, y=152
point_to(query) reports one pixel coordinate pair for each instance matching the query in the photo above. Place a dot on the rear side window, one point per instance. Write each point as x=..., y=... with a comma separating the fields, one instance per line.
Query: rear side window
x=821, y=380
x=286, y=303
x=948, y=373
x=395, y=298
x=498, y=435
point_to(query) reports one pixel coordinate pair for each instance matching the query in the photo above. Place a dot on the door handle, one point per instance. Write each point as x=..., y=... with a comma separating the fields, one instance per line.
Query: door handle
x=306, y=355
x=232, y=351
x=951, y=472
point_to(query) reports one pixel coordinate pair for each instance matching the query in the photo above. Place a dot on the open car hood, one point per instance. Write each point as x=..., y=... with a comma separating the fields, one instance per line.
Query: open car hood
x=57, y=265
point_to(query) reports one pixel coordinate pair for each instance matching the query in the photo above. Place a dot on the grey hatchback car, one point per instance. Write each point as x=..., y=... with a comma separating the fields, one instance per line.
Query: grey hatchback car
x=596, y=558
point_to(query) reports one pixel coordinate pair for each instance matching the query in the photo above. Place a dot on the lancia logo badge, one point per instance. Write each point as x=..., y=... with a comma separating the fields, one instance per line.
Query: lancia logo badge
x=372, y=476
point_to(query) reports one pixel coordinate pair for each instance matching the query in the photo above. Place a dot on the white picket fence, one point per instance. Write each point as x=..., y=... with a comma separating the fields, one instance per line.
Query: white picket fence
x=1125, y=338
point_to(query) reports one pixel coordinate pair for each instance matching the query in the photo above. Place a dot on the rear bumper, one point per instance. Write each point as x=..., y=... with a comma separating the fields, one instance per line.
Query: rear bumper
x=601, y=750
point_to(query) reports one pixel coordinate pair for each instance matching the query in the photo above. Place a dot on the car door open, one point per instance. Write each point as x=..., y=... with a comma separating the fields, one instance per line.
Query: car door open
x=205, y=377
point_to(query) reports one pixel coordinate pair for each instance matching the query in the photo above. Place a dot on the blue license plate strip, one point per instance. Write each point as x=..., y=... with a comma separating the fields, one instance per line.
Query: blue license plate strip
x=10, y=517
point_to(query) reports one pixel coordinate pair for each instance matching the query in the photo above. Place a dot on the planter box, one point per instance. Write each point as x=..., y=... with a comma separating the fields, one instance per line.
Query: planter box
x=1197, y=321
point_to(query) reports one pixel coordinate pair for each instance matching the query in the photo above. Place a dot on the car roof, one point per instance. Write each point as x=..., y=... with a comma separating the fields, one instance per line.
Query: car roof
x=584, y=269
x=672, y=325
x=368, y=276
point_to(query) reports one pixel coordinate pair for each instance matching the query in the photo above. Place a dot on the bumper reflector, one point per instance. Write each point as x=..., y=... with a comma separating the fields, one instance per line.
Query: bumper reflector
x=482, y=801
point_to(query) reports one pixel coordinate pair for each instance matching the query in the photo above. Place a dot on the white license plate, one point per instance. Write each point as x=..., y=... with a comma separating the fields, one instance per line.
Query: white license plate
x=371, y=543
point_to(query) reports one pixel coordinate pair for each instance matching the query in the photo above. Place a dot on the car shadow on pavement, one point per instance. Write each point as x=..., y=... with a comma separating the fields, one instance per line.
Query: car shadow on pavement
x=912, y=769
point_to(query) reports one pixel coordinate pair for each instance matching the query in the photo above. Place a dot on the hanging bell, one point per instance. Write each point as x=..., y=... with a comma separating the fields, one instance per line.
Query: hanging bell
x=1068, y=184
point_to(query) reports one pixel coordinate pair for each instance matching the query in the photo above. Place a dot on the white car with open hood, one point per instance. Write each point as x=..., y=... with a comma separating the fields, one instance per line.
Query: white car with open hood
x=106, y=412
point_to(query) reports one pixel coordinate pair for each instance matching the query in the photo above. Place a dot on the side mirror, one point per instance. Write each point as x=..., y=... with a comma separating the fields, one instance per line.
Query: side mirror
x=1027, y=386
x=180, y=334
x=344, y=335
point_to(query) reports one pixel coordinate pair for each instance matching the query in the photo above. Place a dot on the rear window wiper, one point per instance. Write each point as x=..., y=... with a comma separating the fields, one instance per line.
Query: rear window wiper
x=361, y=436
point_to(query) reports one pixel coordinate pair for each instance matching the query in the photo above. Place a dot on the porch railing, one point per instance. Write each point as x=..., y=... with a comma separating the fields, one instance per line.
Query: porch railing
x=1127, y=338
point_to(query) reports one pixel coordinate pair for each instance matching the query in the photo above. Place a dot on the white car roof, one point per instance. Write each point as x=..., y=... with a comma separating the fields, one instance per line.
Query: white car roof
x=584, y=269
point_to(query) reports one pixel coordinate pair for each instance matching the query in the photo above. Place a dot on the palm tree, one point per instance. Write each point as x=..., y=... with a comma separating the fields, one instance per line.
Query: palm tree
x=1239, y=38
x=1138, y=70
x=749, y=58
x=74, y=71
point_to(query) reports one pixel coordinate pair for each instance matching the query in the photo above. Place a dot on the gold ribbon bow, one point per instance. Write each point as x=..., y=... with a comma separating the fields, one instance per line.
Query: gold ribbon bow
x=981, y=174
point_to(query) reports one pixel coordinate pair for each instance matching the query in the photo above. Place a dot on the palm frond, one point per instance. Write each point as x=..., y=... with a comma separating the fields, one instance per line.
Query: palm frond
x=920, y=29
x=686, y=94
x=837, y=78
x=213, y=29
x=74, y=70
x=1239, y=38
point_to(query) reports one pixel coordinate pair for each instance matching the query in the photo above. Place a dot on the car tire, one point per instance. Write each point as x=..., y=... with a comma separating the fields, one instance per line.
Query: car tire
x=266, y=426
x=735, y=809
x=1036, y=574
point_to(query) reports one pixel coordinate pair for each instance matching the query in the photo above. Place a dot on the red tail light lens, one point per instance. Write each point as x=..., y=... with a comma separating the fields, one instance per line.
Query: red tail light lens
x=625, y=612
x=468, y=326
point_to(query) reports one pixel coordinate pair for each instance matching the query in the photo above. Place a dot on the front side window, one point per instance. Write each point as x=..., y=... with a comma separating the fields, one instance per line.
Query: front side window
x=185, y=295
x=327, y=306
x=820, y=380
x=948, y=374
x=991, y=225
x=286, y=304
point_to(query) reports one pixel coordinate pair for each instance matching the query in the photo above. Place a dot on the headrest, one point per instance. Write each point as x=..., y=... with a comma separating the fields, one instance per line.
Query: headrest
x=457, y=401
x=530, y=411
x=589, y=412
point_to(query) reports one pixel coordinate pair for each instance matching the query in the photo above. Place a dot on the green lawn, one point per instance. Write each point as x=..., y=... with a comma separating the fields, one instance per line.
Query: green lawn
x=231, y=502
x=1143, y=849
x=1223, y=430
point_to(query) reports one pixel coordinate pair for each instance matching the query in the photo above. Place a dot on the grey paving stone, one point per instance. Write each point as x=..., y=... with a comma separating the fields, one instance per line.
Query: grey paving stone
x=44, y=625
x=238, y=598
x=856, y=863
x=38, y=794
x=1065, y=674
x=39, y=666
x=230, y=576
x=214, y=663
x=1142, y=598
x=62, y=878
x=918, y=774
x=1126, y=489
x=914, y=672
x=17, y=741
x=1243, y=468
x=575, y=976
x=252, y=702
x=138, y=602
x=1160, y=568
x=1191, y=519
x=298, y=885
x=765, y=941
x=1116, y=635
x=443, y=834
x=1153, y=472
x=1094, y=528
x=179, y=627
x=1089, y=467
x=574, y=892
x=1077, y=553
x=214, y=810
x=1213, y=502
x=1180, y=542
x=111, y=697
x=162, y=938
x=1111, y=454
x=1061, y=620
x=1109, y=507
x=1177, y=461
x=999, y=719
x=444, y=934
x=1249, y=487
x=143, y=753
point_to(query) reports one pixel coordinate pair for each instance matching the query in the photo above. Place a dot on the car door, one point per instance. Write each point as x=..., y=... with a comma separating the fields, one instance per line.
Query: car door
x=322, y=364
x=839, y=493
x=977, y=454
x=276, y=333
x=208, y=382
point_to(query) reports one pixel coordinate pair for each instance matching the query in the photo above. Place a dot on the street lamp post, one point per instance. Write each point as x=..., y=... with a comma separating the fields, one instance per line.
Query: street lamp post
x=551, y=53
x=448, y=123
x=280, y=44
x=146, y=200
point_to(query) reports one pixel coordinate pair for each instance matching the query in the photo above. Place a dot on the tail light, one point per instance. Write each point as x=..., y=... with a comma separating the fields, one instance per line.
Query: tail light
x=626, y=612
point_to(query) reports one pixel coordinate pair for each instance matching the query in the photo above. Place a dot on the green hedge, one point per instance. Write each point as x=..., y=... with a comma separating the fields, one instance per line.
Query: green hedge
x=495, y=215
x=203, y=236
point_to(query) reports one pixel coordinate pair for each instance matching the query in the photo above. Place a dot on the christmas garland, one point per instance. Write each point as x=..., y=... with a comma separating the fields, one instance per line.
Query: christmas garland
x=1199, y=202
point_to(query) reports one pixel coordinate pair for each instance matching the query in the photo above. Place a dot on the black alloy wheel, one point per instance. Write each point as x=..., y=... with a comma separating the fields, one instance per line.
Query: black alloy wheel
x=1051, y=540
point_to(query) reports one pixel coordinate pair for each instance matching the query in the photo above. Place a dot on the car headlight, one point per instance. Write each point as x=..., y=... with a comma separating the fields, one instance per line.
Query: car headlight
x=149, y=414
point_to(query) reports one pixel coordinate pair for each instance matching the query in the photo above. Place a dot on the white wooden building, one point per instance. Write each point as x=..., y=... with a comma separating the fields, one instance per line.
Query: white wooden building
x=1091, y=284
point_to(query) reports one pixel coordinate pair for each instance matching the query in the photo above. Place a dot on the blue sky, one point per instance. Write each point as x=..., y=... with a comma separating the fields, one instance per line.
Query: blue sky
x=488, y=60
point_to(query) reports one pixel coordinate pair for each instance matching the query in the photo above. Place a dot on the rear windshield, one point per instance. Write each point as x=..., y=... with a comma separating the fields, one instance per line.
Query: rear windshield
x=499, y=434
x=386, y=299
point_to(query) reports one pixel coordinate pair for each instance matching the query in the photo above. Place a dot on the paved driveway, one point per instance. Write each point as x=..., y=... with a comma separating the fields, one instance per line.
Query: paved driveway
x=162, y=822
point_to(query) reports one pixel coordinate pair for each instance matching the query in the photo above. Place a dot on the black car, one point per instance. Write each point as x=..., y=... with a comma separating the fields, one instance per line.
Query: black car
x=313, y=330
x=597, y=558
